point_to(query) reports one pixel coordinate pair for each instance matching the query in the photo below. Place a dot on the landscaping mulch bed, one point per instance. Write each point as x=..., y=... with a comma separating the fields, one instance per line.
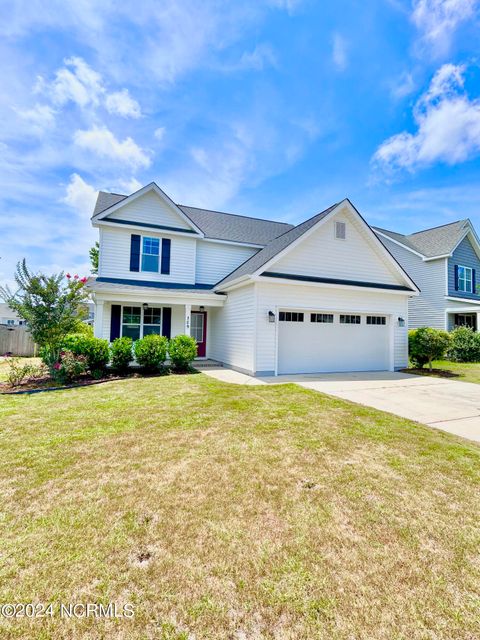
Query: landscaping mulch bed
x=439, y=373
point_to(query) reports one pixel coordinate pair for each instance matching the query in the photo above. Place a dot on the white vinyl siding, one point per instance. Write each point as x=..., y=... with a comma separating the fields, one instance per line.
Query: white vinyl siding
x=150, y=209
x=215, y=260
x=274, y=296
x=115, y=257
x=357, y=257
x=232, y=329
x=427, y=309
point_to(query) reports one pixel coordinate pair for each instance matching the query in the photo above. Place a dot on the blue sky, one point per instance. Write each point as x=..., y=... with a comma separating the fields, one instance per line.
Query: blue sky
x=274, y=109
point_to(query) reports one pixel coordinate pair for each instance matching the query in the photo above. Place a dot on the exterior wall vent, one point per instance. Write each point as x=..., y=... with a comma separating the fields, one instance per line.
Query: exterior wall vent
x=340, y=230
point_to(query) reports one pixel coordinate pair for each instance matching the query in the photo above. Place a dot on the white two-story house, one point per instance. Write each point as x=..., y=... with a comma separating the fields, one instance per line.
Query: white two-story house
x=259, y=296
x=444, y=262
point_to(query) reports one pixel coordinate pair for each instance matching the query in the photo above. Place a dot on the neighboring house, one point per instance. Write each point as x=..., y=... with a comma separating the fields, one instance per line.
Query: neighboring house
x=9, y=317
x=262, y=297
x=445, y=263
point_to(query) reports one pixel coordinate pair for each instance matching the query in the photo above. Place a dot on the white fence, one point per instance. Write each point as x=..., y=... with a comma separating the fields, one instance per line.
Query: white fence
x=16, y=340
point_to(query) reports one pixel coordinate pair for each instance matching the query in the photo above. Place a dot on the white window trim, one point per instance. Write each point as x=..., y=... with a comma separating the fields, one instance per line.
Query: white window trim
x=142, y=270
x=467, y=269
x=153, y=306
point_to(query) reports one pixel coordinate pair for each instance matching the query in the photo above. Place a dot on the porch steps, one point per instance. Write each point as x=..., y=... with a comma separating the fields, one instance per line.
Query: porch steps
x=207, y=364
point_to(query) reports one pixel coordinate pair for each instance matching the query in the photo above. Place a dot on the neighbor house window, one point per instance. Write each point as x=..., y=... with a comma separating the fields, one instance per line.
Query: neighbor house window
x=290, y=316
x=321, y=317
x=11, y=322
x=152, y=320
x=465, y=279
x=131, y=321
x=349, y=319
x=150, y=254
x=376, y=320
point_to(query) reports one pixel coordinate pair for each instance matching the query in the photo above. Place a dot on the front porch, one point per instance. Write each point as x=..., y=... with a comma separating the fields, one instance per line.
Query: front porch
x=462, y=318
x=139, y=311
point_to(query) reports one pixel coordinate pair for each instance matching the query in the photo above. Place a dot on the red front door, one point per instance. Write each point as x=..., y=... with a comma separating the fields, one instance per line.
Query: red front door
x=199, y=331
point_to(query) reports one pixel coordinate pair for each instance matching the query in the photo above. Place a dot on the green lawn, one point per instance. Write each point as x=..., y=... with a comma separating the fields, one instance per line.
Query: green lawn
x=468, y=371
x=229, y=512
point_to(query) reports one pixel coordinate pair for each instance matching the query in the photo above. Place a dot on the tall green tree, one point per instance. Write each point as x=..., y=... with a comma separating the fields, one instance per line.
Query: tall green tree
x=94, y=254
x=52, y=306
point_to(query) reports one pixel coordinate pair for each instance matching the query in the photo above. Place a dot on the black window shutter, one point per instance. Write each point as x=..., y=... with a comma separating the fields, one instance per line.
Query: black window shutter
x=167, y=322
x=474, y=285
x=134, y=252
x=115, y=322
x=456, y=277
x=166, y=244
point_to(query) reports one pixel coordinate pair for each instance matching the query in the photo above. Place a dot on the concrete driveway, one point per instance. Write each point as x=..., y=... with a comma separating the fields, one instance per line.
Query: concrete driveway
x=445, y=404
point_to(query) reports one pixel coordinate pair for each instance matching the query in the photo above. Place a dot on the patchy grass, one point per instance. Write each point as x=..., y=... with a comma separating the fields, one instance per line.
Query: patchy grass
x=223, y=511
x=4, y=365
x=463, y=371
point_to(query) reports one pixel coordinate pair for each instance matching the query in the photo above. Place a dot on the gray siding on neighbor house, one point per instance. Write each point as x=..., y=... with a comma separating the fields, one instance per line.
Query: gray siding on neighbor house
x=427, y=309
x=465, y=256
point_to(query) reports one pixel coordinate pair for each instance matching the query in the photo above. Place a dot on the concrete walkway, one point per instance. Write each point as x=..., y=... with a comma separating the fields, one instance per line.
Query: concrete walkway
x=449, y=405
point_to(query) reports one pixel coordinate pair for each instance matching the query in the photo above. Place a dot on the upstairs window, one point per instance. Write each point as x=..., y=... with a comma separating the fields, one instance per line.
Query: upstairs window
x=465, y=279
x=150, y=254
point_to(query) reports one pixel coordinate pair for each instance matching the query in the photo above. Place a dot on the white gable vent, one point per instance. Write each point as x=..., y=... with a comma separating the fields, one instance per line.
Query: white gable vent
x=340, y=230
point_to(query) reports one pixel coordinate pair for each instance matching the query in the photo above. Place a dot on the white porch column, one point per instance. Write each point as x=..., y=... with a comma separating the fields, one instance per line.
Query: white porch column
x=98, y=320
x=188, y=309
x=478, y=320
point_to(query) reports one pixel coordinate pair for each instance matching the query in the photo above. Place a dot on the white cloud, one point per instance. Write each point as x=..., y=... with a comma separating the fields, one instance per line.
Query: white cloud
x=286, y=5
x=39, y=118
x=159, y=133
x=75, y=82
x=129, y=186
x=122, y=104
x=403, y=86
x=339, y=52
x=80, y=195
x=262, y=56
x=448, y=127
x=438, y=19
x=102, y=142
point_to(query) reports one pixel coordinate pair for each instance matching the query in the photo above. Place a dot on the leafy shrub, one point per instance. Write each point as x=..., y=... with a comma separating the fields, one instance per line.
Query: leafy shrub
x=151, y=352
x=121, y=354
x=465, y=345
x=68, y=367
x=17, y=372
x=182, y=351
x=94, y=349
x=427, y=344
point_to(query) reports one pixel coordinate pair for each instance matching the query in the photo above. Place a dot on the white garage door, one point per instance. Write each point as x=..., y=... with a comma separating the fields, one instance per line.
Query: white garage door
x=311, y=342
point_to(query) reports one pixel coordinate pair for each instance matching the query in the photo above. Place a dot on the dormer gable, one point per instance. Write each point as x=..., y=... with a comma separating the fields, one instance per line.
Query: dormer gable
x=148, y=207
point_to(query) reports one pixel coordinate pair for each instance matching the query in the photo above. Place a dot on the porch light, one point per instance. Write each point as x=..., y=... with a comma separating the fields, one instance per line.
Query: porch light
x=201, y=307
x=271, y=316
x=401, y=322
x=145, y=305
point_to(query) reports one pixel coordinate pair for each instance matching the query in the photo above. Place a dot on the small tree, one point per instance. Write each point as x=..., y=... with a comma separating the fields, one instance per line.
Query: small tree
x=427, y=344
x=94, y=254
x=52, y=306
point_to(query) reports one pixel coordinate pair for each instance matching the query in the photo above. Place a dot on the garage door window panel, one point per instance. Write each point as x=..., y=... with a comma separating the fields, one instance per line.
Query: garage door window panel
x=377, y=320
x=290, y=316
x=326, y=318
x=347, y=319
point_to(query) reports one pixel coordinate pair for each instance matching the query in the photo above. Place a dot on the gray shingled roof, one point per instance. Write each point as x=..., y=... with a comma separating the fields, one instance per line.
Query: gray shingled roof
x=106, y=200
x=274, y=247
x=216, y=225
x=229, y=226
x=438, y=241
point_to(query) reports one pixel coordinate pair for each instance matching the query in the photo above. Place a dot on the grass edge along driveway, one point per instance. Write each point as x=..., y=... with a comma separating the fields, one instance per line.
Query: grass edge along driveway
x=227, y=511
